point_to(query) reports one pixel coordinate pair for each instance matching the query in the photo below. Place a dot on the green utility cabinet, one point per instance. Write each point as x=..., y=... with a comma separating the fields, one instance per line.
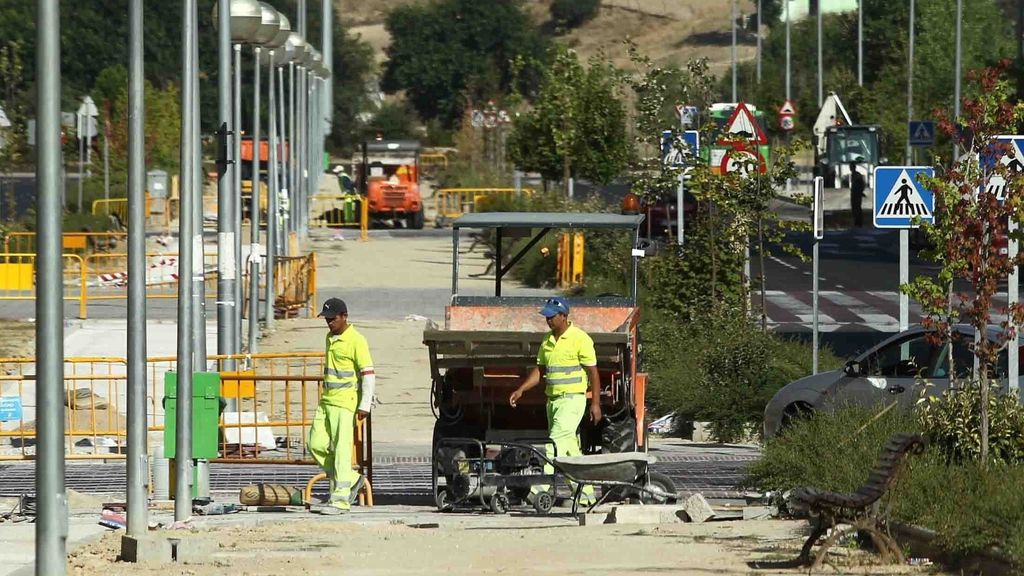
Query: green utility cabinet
x=206, y=405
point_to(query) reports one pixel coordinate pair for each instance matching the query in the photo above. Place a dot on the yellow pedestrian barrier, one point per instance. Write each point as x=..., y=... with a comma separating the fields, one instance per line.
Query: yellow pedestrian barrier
x=434, y=160
x=450, y=203
x=118, y=207
x=18, y=278
x=340, y=211
x=570, y=259
x=73, y=242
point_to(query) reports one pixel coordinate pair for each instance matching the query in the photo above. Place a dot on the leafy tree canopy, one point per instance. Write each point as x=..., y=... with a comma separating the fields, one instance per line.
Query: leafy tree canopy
x=578, y=125
x=987, y=37
x=450, y=53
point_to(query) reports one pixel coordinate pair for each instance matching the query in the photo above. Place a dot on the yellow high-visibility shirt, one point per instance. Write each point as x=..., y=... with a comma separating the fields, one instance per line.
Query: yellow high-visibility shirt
x=564, y=359
x=347, y=355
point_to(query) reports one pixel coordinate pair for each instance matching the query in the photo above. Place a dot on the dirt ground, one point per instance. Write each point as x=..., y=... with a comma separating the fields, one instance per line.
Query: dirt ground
x=474, y=544
x=17, y=338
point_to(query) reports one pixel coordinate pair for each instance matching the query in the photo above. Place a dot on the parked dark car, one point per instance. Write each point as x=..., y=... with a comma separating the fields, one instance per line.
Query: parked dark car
x=895, y=369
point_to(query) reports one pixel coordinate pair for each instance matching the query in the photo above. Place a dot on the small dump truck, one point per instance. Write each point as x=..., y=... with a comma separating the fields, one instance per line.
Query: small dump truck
x=387, y=176
x=489, y=343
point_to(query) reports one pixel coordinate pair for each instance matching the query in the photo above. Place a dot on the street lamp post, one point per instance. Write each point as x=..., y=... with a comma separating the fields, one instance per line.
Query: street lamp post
x=267, y=31
x=243, y=17
x=273, y=48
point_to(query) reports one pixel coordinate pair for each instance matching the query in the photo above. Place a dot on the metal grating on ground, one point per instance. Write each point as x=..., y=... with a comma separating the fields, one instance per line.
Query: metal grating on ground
x=713, y=476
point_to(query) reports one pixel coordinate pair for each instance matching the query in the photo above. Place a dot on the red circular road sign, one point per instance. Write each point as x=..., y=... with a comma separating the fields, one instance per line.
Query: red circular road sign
x=742, y=161
x=786, y=122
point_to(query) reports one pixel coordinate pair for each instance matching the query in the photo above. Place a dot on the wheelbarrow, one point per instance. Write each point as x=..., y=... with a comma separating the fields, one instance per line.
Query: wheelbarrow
x=626, y=474
x=482, y=474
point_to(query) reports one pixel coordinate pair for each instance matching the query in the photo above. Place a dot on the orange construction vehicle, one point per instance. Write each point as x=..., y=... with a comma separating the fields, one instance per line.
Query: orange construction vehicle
x=246, y=168
x=387, y=175
x=488, y=344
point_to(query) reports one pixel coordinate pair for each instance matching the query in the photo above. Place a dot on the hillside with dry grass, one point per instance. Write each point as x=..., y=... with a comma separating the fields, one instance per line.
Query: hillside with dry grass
x=668, y=31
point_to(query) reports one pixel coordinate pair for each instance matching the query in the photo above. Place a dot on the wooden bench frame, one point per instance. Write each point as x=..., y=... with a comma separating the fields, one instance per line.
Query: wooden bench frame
x=860, y=510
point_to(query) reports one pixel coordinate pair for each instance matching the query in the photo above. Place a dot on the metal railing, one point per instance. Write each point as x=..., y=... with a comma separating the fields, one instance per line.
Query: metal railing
x=570, y=259
x=118, y=207
x=103, y=277
x=73, y=242
x=450, y=203
x=340, y=211
x=434, y=160
x=18, y=278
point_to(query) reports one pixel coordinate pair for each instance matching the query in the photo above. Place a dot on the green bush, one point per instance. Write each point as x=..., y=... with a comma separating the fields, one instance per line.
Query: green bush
x=953, y=422
x=573, y=13
x=972, y=508
x=833, y=451
x=721, y=369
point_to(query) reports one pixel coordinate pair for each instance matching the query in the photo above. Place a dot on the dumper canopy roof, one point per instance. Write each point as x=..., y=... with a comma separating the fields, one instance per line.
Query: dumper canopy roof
x=389, y=152
x=604, y=313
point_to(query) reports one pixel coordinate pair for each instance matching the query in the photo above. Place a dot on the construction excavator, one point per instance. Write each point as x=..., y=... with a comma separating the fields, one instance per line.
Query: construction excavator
x=838, y=142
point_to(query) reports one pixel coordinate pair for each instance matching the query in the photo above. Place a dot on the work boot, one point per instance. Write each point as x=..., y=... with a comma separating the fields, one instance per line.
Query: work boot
x=354, y=494
x=330, y=509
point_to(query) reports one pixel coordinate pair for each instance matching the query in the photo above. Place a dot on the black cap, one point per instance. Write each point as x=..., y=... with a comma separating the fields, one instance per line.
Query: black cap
x=333, y=307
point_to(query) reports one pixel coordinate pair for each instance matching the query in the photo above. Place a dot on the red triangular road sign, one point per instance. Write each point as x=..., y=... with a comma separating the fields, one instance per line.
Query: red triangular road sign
x=743, y=126
x=787, y=109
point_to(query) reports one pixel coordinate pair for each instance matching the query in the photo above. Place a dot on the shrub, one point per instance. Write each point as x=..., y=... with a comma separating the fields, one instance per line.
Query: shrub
x=573, y=13
x=972, y=508
x=721, y=369
x=833, y=451
x=953, y=422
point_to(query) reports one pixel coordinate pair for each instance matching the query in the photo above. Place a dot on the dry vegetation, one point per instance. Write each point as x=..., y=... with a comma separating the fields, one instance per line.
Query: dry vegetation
x=669, y=31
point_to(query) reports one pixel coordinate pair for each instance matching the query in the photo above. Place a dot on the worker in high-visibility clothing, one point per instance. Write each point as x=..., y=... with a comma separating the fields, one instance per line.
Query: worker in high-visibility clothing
x=347, y=399
x=569, y=365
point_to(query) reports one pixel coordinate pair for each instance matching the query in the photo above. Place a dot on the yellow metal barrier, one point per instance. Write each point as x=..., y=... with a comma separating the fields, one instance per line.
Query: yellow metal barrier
x=295, y=285
x=340, y=211
x=74, y=242
x=18, y=280
x=94, y=402
x=570, y=259
x=108, y=275
x=118, y=207
x=434, y=159
x=174, y=209
x=451, y=203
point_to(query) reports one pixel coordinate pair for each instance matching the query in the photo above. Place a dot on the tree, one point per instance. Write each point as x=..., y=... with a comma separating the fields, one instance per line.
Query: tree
x=967, y=224
x=448, y=52
x=577, y=128
x=987, y=37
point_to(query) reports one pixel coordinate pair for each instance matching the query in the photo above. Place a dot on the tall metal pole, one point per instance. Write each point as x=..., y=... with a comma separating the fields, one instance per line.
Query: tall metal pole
x=236, y=199
x=280, y=214
x=138, y=457
x=183, y=423
x=788, y=72
x=106, y=166
x=327, y=49
x=81, y=158
x=821, y=93
x=226, y=233
x=254, y=212
x=268, y=312
x=199, y=259
x=956, y=74
x=758, y=41
x=293, y=151
x=733, y=50
x=51, y=504
x=860, y=42
x=905, y=234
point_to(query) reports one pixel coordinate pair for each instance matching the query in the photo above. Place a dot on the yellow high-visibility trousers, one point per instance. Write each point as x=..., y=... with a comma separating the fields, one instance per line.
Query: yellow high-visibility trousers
x=330, y=442
x=564, y=416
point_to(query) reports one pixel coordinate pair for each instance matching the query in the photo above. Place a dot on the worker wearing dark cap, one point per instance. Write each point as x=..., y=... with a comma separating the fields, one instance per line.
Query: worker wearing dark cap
x=348, y=392
x=569, y=362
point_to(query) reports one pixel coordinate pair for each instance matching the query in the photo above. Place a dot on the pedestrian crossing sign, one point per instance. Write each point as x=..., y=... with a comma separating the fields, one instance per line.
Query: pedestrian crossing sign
x=900, y=197
x=1005, y=150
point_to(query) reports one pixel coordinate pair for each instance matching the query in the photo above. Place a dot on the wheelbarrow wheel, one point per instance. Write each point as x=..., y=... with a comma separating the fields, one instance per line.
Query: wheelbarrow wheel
x=543, y=502
x=499, y=503
x=441, y=499
x=660, y=483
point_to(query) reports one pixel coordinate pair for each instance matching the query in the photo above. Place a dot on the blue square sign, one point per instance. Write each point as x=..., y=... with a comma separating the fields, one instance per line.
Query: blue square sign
x=670, y=155
x=899, y=197
x=922, y=132
x=10, y=408
x=1005, y=150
